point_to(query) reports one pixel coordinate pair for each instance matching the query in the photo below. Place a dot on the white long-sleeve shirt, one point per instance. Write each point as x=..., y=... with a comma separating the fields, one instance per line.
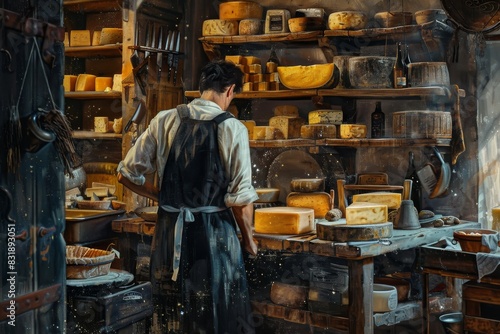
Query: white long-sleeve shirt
x=151, y=150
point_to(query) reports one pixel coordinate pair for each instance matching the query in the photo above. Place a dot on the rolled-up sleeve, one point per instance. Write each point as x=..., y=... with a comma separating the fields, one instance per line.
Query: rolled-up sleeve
x=236, y=154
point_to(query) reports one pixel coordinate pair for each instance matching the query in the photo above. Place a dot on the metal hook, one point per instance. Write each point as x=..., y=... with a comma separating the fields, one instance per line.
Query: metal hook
x=7, y=66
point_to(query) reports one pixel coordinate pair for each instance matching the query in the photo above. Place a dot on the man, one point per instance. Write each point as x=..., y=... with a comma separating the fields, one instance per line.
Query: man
x=202, y=158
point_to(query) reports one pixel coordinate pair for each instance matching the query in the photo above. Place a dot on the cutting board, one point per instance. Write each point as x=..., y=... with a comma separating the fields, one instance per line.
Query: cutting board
x=333, y=231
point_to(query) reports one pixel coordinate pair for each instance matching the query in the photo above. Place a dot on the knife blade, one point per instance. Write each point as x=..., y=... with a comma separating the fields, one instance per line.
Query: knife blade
x=176, y=56
x=171, y=55
x=134, y=58
x=159, y=55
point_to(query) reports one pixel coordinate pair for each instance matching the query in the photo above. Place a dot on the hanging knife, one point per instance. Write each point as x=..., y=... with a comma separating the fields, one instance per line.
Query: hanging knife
x=177, y=56
x=134, y=58
x=159, y=55
x=171, y=55
x=137, y=116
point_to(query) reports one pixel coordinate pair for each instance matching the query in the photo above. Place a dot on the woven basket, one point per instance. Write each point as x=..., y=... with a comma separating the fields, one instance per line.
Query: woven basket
x=84, y=262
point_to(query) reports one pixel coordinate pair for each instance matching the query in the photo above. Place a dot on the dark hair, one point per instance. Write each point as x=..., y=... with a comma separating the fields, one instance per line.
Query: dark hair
x=220, y=74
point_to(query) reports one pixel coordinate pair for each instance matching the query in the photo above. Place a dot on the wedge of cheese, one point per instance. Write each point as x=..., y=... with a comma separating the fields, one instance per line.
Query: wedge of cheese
x=111, y=36
x=318, y=131
x=392, y=200
x=250, y=125
x=289, y=126
x=101, y=83
x=307, y=76
x=263, y=132
x=284, y=220
x=85, y=82
x=349, y=131
x=318, y=201
x=361, y=213
x=325, y=116
x=69, y=83
x=286, y=110
x=79, y=38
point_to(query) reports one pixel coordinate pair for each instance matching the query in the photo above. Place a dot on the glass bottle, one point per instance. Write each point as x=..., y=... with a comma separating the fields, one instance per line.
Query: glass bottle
x=407, y=63
x=378, y=122
x=416, y=189
x=399, y=69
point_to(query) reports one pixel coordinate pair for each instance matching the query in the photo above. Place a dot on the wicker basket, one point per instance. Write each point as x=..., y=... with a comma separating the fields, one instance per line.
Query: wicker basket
x=84, y=262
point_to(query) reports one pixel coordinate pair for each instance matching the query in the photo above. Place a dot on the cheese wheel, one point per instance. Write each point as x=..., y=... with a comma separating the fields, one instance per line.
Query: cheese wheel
x=318, y=201
x=318, y=131
x=349, y=131
x=215, y=27
x=250, y=27
x=392, y=200
x=307, y=185
x=289, y=126
x=360, y=213
x=422, y=124
x=69, y=83
x=371, y=71
x=250, y=125
x=284, y=220
x=267, y=195
x=347, y=20
x=117, y=83
x=79, y=38
x=307, y=77
x=425, y=74
x=240, y=10
x=325, y=117
x=85, y=82
x=111, y=36
x=262, y=132
x=286, y=110
x=101, y=83
x=96, y=37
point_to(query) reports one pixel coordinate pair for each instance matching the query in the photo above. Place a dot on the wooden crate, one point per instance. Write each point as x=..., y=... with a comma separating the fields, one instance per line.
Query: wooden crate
x=481, y=307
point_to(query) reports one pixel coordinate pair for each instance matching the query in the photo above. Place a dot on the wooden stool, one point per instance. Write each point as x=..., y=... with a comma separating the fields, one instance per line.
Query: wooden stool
x=481, y=307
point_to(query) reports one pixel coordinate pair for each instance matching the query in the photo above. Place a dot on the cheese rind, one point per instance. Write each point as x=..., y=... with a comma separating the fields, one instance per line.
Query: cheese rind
x=85, y=82
x=263, y=132
x=349, y=131
x=360, y=213
x=69, y=83
x=283, y=220
x=79, y=38
x=325, y=117
x=289, y=126
x=392, y=200
x=318, y=201
x=318, y=131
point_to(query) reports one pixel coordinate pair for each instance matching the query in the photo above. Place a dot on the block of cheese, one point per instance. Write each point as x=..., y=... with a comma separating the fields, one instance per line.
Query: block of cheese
x=286, y=110
x=283, y=220
x=250, y=125
x=261, y=86
x=318, y=131
x=263, y=132
x=101, y=124
x=247, y=86
x=216, y=27
x=325, y=116
x=111, y=36
x=243, y=68
x=247, y=77
x=117, y=83
x=96, y=37
x=85, y=82
x=360, y=213
x=259, y=77
x=272, y=77
x=66, y=39
x=392, y=200
x=79, y=38
x=289, y=126
x=69, y=83
x=101, y=83
x=237, y=59
x=348, y=131
x=318, y=201
x=271, y=67
x=254, y=68
x=250, y=60
x=275, y=85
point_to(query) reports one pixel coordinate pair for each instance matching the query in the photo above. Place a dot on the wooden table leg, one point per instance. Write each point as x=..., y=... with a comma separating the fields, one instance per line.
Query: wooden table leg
x=361, y=296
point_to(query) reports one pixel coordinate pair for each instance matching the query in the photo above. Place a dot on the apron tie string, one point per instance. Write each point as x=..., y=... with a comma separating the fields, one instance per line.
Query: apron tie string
x=185, y=215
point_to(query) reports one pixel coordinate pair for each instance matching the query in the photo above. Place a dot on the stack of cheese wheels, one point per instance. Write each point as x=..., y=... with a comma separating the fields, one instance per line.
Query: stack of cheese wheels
x=307, y=76
x=309, y=193
x=235, y=17
x=256, y=77
x=322, y=124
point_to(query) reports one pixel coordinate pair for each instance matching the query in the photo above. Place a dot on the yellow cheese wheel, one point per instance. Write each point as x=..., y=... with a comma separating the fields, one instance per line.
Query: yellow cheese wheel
x=111, y=36
x=240, y=10
x=250, y=27
x=361, y=213
x=318, y=201
x=307, y=77
x=284, y=220
x=392, y=200
x=289, y=126
x=85, y=82
x=79, y=38
x=215, y=27
x=69, y=83
x=347, y=20
x=101, y=83
x=350, y=131
x=267, y=195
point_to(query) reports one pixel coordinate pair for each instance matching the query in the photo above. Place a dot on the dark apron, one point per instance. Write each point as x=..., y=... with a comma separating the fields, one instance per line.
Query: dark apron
x=210, y=287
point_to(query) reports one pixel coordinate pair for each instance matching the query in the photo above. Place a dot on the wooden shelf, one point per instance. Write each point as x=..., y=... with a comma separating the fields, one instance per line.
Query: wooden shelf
x=92, y=5
x=95, y=135
x=387, y=93
x=98, y=51
x=93, y=95
x=270, y=94
x=307, y=36
x=386, y=142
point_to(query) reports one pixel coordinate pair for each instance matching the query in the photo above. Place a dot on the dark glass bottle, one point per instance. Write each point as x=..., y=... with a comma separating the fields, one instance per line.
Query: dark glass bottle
x=378, y=122
x=273, y=57
x=407, y=63
x=399, y=69
x=416, y=189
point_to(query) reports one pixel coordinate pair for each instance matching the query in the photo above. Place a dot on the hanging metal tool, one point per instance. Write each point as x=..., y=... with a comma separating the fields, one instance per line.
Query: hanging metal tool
x=159, y=55
x=137, y=116
x=171, y=55
x=134, y=58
